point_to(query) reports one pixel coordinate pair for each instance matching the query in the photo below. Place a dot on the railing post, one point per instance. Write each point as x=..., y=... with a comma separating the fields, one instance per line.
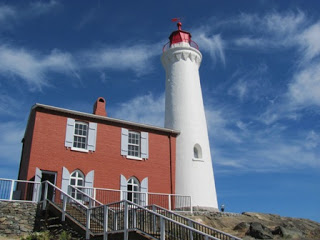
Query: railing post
x=94, y=194
x=64, y=208
x=105, y=222
x=154, y=218
x=134, y=218
x=45, y=196
x=191, y=209
x=147, y=198
x=190, y=224
x=115, y=220
x=169, y=202
x=88, y=224
x=125, y=219
x=11, y=190
x=162, y=229
x=90, y=203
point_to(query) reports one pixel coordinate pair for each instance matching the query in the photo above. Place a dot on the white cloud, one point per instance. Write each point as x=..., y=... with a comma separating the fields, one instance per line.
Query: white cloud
x=32, y=67
x=310, y=41
x=219, y=123
x=214, y=45
x=304, y=90
x=312, y=140
x=146, y=109
x=136, y=58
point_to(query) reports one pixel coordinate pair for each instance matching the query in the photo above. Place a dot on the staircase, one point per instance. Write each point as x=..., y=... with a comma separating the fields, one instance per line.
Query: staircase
x=127, y=220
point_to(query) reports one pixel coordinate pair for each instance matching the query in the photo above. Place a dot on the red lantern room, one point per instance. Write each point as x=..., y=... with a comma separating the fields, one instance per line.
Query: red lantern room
x=180, y=35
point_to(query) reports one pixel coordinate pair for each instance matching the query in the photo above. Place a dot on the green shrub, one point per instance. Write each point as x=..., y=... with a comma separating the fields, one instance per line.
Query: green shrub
x=65, y=236
x=38, y=236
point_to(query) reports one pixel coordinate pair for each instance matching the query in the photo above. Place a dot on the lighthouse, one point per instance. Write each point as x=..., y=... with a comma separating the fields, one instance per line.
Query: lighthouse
x=184, y=111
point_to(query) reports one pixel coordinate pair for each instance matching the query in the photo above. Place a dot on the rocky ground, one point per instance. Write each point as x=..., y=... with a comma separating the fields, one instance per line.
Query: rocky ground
x=260, y=226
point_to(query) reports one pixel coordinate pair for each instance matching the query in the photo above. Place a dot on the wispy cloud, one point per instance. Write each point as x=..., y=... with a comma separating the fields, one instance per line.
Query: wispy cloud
x=132, y=57
x=8, y=16
x=304, y=90
x=250, y=84
x=32, y=67
x=9, y=105
x=42, y=7
x=214, y=45
x=258, y=149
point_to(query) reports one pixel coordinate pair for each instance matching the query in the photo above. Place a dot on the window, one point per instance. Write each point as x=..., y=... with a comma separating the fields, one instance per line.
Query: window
x=80, y=135
x=76, y=180
x=134, y=145
x=133, y=188
x=139, y=195
x=197, y=152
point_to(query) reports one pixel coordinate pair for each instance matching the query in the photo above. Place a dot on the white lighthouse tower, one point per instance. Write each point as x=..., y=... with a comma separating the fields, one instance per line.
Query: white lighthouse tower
x=184, y=111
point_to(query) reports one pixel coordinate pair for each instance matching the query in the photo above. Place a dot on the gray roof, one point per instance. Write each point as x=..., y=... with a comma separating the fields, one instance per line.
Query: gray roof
x=105, y=119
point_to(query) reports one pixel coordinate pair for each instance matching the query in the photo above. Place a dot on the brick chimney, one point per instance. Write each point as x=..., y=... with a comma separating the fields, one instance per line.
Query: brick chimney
x=99, y=107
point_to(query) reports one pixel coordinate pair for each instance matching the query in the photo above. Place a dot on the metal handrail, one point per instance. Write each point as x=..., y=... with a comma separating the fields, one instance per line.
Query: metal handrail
x=178, y=202
x=194, y=223
x=193, y=230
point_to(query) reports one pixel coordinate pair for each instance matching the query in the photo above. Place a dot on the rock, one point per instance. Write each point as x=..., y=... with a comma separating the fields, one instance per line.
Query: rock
x=242, y=226
x=287, y=233
x=257, y=230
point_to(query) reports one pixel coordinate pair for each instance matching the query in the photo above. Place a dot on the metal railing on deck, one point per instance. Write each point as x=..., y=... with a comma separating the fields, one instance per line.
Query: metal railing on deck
x=173, y=202
x=19, y=190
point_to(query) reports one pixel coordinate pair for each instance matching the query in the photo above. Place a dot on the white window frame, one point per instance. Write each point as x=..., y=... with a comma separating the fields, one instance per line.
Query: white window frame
x=91, y=135
x=80, y=136
x=134, y=136
x=79, y=176
x=143, y=144
x=197, y=153
x=133, y=195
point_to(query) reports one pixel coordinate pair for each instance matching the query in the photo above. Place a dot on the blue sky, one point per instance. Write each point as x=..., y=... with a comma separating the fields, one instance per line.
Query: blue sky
x=260, y=77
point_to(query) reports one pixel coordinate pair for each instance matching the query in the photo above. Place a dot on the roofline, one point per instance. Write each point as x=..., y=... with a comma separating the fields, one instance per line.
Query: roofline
x=108, y=119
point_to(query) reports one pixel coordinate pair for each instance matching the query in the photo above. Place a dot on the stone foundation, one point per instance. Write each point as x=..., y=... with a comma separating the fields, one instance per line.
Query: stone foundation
x=17, y=218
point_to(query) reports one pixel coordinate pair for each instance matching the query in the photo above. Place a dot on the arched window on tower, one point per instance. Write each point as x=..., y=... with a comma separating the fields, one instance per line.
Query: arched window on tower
x=76, y=180
x=133, y=189
x=197, y=152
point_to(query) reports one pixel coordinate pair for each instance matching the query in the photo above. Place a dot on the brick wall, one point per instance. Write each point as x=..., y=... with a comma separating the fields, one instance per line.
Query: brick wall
x=49, y=153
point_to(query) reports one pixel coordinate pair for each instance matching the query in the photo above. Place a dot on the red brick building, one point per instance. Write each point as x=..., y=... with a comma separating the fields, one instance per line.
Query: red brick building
x=93, y=150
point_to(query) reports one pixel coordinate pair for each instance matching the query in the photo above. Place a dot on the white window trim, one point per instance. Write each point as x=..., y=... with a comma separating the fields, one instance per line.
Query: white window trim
x=135, y=145
x=198, y=159
x=144, y=145
x=81, y=136
x=79, y=149
x=90, y=138
x=134, y=158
